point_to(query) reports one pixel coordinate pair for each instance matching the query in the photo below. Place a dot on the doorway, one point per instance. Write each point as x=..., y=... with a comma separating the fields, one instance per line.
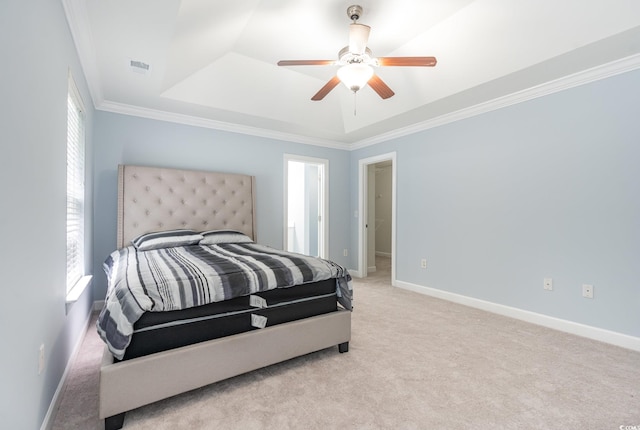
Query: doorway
x=377, y=214
x=306, y=205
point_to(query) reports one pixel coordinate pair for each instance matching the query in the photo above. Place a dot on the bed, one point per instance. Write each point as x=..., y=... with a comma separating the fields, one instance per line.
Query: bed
x=232, y=333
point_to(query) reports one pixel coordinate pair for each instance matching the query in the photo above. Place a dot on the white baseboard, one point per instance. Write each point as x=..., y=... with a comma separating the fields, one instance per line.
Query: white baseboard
x=47, y=423
x=383, y=254
x=98, y=305
x=355, y=273
x=595, y=333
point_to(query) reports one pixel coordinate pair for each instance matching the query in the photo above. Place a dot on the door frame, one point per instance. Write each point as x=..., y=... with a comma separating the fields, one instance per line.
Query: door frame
x=363, y=177
x=324, y=221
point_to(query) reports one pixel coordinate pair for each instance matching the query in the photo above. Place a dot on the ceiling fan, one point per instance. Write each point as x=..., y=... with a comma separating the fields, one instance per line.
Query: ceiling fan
x=357, y=62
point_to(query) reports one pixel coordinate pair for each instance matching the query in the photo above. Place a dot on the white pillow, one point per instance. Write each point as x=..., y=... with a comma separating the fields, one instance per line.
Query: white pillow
x=213, y=237
x=166, y=239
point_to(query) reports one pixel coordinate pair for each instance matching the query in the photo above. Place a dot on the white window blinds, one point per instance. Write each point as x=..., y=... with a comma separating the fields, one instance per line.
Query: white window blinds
x=75, y=187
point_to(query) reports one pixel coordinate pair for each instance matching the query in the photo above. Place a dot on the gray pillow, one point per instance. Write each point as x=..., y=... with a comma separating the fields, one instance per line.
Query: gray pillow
x=213, y=237
x=166, y=239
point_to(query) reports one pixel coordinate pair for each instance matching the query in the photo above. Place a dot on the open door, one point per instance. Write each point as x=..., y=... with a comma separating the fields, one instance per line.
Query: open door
x=367, y=219
x=306, y=207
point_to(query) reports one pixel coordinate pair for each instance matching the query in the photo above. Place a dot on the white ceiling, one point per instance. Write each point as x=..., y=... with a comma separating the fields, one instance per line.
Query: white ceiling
x=213, y=63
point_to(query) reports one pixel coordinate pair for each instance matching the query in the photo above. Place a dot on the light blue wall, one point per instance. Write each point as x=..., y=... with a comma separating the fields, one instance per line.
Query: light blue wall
x=121, y=139
x=546, y=188
x=37, y=51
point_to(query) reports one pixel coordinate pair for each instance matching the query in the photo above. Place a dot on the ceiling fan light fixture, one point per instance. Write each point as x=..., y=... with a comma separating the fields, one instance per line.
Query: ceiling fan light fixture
x=355, y=76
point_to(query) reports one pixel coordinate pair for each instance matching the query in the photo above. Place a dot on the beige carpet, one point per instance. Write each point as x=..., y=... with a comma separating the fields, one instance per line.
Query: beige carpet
x=415, y=362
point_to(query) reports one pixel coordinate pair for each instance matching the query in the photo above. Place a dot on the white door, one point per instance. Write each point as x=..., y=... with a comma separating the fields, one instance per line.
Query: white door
x=305, y=198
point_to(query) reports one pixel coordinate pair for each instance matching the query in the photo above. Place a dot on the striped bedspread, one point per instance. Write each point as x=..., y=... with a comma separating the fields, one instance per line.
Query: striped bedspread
x=187, y=276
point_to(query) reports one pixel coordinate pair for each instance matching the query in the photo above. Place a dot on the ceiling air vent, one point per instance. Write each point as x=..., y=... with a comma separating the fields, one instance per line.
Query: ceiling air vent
x=139, y=67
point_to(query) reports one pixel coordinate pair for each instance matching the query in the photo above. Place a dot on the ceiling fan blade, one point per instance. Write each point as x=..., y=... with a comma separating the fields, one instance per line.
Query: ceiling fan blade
x=306, y=62
x=325, y=90
x=380, y=87
x=407, y=61
x=358, y=38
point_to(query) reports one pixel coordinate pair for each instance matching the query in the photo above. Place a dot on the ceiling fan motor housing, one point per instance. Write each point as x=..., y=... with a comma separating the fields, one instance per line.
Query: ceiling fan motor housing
x=347, y=57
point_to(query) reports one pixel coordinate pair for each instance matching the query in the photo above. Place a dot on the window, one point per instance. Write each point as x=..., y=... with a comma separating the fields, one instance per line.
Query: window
x=75, y=187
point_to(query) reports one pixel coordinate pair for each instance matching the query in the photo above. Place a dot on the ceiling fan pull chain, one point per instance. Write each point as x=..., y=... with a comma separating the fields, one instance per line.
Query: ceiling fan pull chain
x=354, y=103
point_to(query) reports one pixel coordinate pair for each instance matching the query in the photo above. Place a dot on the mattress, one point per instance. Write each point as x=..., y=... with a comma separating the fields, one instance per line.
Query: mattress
x=160, y=331
x=175, y=277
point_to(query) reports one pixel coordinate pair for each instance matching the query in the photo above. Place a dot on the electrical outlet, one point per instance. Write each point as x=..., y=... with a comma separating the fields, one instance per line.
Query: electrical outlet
x=548, y=284
x=345, y=252
x=587, y=291
x=423, y=263
x=41, y=359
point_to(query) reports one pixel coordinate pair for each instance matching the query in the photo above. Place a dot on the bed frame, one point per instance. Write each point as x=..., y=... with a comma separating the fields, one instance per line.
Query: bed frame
x=152, y=199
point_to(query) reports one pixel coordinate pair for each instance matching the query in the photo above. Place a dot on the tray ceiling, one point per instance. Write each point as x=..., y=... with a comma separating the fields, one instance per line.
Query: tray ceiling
x=213, y=64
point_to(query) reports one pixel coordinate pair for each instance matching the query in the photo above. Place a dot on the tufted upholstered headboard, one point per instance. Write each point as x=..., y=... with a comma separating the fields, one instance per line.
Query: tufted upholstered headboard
x=156, y=198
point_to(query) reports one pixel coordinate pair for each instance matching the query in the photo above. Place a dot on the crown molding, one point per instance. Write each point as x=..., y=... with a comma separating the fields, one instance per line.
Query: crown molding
x=604, y=71
x=160, y=115
x=78, y=20
x=571, y=81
